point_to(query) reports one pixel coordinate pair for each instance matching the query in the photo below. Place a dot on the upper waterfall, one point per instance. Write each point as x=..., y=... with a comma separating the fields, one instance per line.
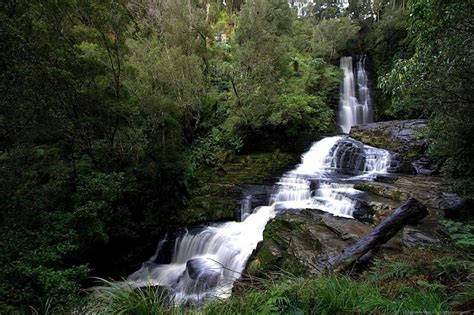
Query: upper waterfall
x=355, y=105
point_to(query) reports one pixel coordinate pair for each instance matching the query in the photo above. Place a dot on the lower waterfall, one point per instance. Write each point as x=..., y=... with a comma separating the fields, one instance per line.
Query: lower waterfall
x=206, y=263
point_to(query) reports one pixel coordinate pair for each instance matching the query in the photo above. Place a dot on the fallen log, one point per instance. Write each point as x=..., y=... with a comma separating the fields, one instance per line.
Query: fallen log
x=409, y=213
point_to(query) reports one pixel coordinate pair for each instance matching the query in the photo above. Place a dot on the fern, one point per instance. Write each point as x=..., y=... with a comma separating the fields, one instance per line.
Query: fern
x=461, y=233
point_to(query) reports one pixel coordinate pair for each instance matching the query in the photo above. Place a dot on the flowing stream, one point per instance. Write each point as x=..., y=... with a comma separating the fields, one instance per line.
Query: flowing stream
x=205, y=263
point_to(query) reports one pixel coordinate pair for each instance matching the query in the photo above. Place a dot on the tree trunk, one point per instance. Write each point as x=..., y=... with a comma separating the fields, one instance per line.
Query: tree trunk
x=409, y=213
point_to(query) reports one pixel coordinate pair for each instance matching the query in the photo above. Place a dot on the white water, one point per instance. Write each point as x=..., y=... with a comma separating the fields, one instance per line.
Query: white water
x=319, y=165
x=355, y=105
x=206, y=264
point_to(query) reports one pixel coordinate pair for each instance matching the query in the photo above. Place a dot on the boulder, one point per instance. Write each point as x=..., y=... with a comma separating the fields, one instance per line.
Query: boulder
x=452, y=205
x=349, y=157
x=206, y=271
x=401, y=138
x=363, y=211
x=396, y=163
x=303, y=242
x=424, y=166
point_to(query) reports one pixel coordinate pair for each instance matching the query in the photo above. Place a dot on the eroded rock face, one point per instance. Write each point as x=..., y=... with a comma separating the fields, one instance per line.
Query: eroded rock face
x=350, y=157
x=424, y=166
x=402, y=138
x=397, y=165
x=453, y=206
x=363, y=211
x=304, y=242
x=404, y=130
x=253, y=196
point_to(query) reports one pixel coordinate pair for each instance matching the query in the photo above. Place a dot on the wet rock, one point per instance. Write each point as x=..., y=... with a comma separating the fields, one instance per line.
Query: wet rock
x=206, y=271
x=399, y=137
x=453, y=206
x=394, y=129
x=363, y=211
x=304, y=242
x=253, y=196
x=399, y=164
x=396, y=163
x=414, y=238
x=424, y=166
x=383, y=189
x=350, y=157
x=389, y=179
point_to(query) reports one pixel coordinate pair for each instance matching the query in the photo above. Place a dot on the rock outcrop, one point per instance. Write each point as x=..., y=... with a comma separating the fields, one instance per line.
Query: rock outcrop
x=305, y=242
x=404, y=139
x=350, y=157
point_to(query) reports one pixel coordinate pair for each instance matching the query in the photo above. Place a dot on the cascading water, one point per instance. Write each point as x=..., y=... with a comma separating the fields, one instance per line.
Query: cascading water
x=206, y=264
x=355, y=105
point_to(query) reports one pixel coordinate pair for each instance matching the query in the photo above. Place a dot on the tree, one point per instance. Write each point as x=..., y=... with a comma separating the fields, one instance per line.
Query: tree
x=436, y=82
x=330, y=37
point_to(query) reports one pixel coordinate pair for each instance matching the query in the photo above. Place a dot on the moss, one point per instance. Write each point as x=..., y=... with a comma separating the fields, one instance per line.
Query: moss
x=381, y=138
x=375, y=139
x=217, y=192
x=369, y=188
x=275, y=254
x=394, y=195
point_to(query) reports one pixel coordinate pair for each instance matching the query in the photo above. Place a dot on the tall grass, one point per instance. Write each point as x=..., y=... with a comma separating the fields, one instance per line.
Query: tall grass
x=327, y=294
x=121, y=298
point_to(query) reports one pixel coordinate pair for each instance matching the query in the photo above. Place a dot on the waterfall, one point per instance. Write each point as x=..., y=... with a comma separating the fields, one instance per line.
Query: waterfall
x=205, y=263
x=321, y=180
x=355, y=105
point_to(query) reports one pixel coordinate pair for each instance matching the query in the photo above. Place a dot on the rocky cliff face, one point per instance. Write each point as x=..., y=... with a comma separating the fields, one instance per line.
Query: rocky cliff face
x=404, y=138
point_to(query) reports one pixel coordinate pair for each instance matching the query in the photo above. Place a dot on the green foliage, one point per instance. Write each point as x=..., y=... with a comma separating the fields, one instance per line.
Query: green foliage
x=215, y=148
x=461, y=233
x=330, y=36
x=109, y=109
x=271, y=85
x=436, y=82
x=421, y=280
x=80, y=165
x=325, y=295
x=387, y=41
x=425, y=276
x=120, y=298
x=393, y=270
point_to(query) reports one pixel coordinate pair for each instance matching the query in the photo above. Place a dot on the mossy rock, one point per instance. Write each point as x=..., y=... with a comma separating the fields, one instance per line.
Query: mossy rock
x=402, y=136
x=302, y=242
x=275, y=253
x=218, y=191
x=386, y=191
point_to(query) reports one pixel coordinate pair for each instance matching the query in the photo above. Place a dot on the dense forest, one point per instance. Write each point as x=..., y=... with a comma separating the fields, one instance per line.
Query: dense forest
x=112, y=111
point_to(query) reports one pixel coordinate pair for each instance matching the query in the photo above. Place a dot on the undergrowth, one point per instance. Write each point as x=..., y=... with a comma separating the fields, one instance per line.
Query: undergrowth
x=421, y=280
x=120, y=298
